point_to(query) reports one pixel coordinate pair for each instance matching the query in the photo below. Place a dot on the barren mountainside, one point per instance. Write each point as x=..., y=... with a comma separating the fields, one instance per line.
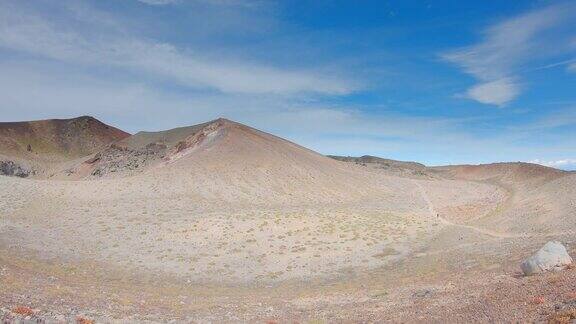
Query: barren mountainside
x=223, y=222
x=58, y=138
x=231, y=161
x=34, y=146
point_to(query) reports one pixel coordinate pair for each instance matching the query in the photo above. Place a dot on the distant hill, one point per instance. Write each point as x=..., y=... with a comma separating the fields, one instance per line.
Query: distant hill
x=505, y=172
x=38, y=145
x=369, y=159
x=387, y=165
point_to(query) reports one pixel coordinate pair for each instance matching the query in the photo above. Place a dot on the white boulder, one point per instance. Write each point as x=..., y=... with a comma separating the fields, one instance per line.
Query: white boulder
x=551, y=257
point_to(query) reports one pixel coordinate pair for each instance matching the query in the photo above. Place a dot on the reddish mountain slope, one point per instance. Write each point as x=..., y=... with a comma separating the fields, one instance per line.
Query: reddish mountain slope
x=45, y=143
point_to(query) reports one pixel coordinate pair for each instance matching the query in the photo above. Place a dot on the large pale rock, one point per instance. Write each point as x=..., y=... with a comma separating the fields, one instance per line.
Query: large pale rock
x=551, y=257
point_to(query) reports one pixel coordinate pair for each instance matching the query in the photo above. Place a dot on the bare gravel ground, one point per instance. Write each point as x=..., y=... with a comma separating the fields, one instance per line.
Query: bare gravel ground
x=139, y=250
x=440, y=287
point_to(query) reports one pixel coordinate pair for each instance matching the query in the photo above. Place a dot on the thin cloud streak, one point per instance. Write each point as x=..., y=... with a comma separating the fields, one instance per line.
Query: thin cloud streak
x=159, y=2
x=36, y=35
x=506, y=47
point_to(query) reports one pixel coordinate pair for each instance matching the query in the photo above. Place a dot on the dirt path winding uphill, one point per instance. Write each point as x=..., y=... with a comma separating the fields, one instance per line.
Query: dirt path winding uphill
x=447, y=222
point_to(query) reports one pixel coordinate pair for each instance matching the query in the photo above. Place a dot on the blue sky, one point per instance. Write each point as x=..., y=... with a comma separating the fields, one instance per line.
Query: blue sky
x=440, y=82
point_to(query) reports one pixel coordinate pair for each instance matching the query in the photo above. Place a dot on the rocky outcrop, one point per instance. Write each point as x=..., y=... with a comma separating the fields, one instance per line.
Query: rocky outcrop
x=203, y=136
x=117, y=159
x=11, y=168
x=551, y=257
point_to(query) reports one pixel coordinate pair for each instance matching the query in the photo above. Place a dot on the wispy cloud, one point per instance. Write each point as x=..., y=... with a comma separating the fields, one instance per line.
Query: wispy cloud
x=158, y=2
x=508, y=46
x=568, y=63
x=564, y=118
x=37, y=35
x=213, y=2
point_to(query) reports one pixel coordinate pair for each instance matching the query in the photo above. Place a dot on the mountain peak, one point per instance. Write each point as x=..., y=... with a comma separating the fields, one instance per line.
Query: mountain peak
x=56, y=139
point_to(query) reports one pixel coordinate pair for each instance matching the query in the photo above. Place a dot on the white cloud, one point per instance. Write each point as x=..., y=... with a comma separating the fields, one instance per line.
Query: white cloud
x=506, y=47
x=34, y=34
x=158, y=2
x=498, y=92
x=566, y=164
x=572, y=67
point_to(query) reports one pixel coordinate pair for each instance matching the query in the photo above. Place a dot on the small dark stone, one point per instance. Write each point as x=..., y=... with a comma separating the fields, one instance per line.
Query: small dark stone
x=10, y=168
x=423, y=293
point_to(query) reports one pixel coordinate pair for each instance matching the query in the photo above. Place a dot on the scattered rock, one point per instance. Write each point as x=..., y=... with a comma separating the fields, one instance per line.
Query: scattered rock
x=10, y=168
x=23, y=310
x=551, y=257
x=566, y=316
x=84, y=320
x=118, y=158
x=424, y=293
x=94, y=159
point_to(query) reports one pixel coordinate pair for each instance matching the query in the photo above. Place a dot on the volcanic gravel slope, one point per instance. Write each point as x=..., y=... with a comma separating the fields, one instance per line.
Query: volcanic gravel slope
x=220, y=222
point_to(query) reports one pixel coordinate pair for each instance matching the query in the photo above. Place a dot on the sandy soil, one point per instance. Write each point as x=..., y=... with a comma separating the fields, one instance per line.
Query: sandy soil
x=250, y=228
